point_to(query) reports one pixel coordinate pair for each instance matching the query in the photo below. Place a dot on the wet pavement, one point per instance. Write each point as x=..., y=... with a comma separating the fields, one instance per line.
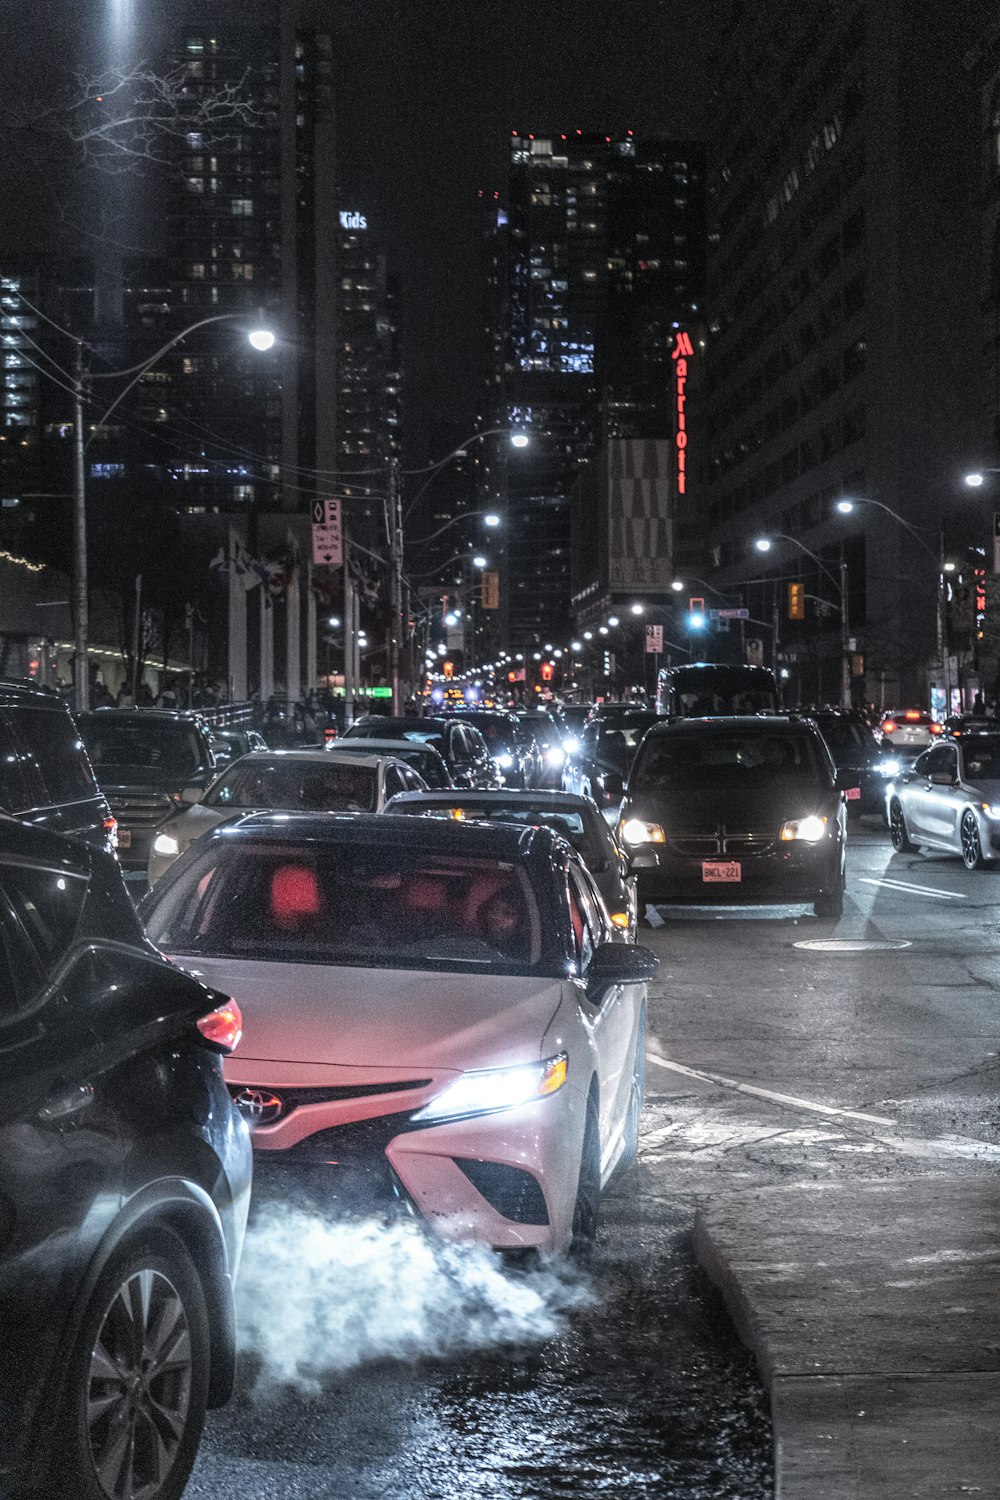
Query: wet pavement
x=771, y=1065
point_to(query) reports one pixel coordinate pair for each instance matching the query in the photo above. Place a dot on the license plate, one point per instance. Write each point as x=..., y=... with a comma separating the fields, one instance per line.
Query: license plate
x=124, y=838
x=853, y=794
x=722, y=872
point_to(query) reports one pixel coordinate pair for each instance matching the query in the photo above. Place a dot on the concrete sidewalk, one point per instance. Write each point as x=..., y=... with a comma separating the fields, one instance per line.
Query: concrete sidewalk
x=873, y=1311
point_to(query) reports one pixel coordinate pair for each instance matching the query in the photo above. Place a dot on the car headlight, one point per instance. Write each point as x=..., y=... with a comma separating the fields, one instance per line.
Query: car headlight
x=571, y=745
x=554, y=756
x=635, y=831
x=888, y=767
x=811, y=829
x=492, y=1089
x=505, y=761
x=165, y=843
x=991, y=809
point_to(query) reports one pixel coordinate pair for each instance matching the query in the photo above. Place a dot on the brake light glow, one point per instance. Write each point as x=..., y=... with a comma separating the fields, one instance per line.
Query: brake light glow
x=937, y=729
x=222, y=1027
x=888, y=727
x=111, y=832
x=620, y=919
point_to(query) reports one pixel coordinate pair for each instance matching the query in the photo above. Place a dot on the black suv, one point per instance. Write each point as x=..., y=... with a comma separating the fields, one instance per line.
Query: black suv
x=45, y=774
x=124, y=1186
x=149, y=762
x=737, y=810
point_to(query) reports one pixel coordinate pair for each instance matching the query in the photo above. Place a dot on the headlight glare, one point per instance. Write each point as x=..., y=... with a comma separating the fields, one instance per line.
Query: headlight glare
x=811, y=829
x=635, y=831
x=888, y=767
x=571, y=745
x=505, y=761
x=165, y=843
x=492, y=1089
x=554, y=756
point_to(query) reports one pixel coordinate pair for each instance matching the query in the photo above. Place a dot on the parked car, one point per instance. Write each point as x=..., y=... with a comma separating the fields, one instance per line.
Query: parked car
x=949, y=799
x=435, y=1013
x=460, y=745
x=576, y=819
x=424, y=759
x=229, y=744
x=124, y=1186
x=149, y=762
x=737, y=810
x=855, y=748
x=45, y=773
x=287, y=781
x=599, y=767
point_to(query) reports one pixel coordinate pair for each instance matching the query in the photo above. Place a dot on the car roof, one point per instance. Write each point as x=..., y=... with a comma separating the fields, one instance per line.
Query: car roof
x=406, y=721
x=727, y=723
x=506, y=841
x=25, y=841
x=154, y=715
x=372, y=744
x=551, y=799
x=318, y=757
x=14, y=689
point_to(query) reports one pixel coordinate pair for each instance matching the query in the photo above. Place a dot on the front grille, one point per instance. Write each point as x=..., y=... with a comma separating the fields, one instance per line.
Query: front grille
x=705, y=844
x=139, y=809
x=293, y=1098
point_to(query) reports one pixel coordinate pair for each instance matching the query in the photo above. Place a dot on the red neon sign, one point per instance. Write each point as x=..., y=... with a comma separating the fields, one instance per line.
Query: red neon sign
x=683, y=350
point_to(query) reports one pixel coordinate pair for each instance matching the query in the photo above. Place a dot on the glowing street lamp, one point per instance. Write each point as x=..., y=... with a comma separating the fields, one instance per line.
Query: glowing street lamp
x=519, y=440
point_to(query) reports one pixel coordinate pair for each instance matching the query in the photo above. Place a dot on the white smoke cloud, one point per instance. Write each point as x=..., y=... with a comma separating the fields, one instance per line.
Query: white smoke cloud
x=318, y=1297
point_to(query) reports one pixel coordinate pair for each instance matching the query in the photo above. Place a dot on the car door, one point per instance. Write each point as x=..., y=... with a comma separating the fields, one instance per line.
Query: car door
x=613, y=1019
x=937, y=800
x=912, y=788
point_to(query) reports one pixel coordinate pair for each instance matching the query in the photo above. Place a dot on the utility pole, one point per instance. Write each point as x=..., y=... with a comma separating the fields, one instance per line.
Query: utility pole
x=845, y=660
x=395, y=520
x=81, y=621
x=349, y=628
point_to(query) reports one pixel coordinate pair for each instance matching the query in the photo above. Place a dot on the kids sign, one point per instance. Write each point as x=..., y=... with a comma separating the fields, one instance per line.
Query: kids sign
x=683, y=351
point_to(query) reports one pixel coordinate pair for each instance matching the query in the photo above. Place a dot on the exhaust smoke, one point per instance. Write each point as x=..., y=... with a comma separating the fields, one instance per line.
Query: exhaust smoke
x=318, y=1297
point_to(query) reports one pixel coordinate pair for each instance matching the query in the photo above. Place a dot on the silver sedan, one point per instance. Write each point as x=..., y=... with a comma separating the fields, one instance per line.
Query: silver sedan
x=949, y=800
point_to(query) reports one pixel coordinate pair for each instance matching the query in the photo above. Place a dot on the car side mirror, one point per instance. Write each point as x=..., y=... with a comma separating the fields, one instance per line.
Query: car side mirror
x=618, y=963
x=192, y=794
x=614, y=784
x=943, y=778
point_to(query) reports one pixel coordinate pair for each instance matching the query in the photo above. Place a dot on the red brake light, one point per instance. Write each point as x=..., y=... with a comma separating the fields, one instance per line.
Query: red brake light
x=111, y=832
x=223, y=1027
x=888, y=727
x=912, y=715
x=937, y=729
x=329, y=734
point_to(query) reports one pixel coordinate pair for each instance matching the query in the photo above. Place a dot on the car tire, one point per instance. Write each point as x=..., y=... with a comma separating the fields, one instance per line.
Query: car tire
x=830, y=904
x=637, y=1097
x=587, y=1206
x=973, y=857
x=898, y=832
x=148, y=1306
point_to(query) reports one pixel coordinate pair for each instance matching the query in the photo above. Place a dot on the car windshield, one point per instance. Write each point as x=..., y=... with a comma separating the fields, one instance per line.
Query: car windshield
x=172, y=748
x=569, y=824
x=341, y=903
x=292, y=786
x=679, y=761
x=982, y=758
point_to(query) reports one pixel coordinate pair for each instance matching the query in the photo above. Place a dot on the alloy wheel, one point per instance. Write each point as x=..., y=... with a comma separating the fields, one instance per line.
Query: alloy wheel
x=139, y=1387
x=972, y=848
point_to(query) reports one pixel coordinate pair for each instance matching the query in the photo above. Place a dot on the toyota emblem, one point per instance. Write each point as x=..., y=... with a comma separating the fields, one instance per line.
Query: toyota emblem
x=258, y=1106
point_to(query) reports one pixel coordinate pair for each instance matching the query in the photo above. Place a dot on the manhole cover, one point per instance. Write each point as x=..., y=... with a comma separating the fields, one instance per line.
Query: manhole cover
x=852, y=945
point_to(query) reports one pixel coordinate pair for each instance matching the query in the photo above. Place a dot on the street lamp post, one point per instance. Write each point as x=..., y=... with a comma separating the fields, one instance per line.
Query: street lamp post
x=260, y=338
x=763, y=544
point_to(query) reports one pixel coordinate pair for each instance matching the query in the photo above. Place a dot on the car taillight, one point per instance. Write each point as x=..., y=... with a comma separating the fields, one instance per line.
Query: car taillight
x=328, y=735
x=222, y=1027
x=111, y=832
x=912, y=715
x=888, y=727
x=620, y=919
x=937, y=729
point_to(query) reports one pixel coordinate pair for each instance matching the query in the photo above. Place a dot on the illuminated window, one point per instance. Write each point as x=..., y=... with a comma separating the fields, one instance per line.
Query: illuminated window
x=241, y=208
x=243, y=271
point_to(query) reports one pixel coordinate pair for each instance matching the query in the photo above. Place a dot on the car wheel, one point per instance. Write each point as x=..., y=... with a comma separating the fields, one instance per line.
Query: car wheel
x=137, y=1380
x=829, y=905
x=637, y=1095
x=586, y=1209
x=972, y=845
x=901, y=841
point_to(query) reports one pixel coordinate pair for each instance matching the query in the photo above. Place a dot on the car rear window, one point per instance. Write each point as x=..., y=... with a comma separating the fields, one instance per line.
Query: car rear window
x=841, y=736
x=296, y=786
x=569, y=825
x=172, y=748
x=726, y=760
x=348, y=905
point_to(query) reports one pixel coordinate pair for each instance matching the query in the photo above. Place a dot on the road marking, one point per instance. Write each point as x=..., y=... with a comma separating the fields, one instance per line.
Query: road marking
x=758, y=1093
x=918, y=890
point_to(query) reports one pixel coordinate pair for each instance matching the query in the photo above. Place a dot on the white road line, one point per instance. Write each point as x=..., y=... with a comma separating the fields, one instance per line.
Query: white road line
x=749, y=1088
x=917, y=890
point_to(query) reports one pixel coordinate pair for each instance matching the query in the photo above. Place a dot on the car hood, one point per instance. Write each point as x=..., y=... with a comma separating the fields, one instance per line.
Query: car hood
x=385, y=1018
x=764, y=807
x=988, y=790
x=194, y=821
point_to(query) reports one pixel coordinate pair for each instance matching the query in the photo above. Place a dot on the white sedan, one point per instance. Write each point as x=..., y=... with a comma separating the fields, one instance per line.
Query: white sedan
x=950, y=800
x=435, y=1016
x=289, y=781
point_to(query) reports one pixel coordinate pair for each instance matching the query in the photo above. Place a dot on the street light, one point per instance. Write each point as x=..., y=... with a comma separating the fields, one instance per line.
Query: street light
x=260, y=338
x=479, y=561
x=638, y=609
x=763, y=544
x=519, y=440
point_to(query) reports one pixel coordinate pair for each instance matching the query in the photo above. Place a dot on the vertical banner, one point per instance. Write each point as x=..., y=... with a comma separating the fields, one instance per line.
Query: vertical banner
x=327, y=534
x=996, y=541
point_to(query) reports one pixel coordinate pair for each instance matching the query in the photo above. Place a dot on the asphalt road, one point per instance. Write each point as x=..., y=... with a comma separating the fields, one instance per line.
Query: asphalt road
x=373, y=1370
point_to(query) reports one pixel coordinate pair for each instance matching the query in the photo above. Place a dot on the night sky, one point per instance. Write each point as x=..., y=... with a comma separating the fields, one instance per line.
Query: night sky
x=429, y=91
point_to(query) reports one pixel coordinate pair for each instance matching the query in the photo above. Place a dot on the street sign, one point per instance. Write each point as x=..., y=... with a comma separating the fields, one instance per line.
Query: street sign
x=654, y=639
x=729, y=614
x=327, y=536
x=491, y=591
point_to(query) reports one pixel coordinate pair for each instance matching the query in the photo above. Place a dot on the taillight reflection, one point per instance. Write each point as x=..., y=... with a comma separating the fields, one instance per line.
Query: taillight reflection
x=222, y=1027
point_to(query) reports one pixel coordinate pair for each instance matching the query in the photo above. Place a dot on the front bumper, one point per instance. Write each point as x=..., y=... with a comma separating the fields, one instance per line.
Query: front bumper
x=786, y=874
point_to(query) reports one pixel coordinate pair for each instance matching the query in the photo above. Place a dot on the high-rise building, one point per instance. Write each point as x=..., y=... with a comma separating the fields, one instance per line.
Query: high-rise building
x=369, y=368
x=595, y=256
x=844, y=330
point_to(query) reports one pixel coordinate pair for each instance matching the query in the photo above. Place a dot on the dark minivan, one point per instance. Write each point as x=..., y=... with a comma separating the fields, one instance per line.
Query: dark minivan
x=124, y=1186
x=149, y=762
x=45, y=773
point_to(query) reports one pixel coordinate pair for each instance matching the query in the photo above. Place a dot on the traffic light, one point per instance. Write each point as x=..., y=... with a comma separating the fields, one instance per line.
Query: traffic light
x=696, y=614
x=546, y=671
x=796, y=601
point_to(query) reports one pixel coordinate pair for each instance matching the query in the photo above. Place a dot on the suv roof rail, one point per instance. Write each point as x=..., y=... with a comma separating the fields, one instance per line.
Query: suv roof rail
x=29, y=685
